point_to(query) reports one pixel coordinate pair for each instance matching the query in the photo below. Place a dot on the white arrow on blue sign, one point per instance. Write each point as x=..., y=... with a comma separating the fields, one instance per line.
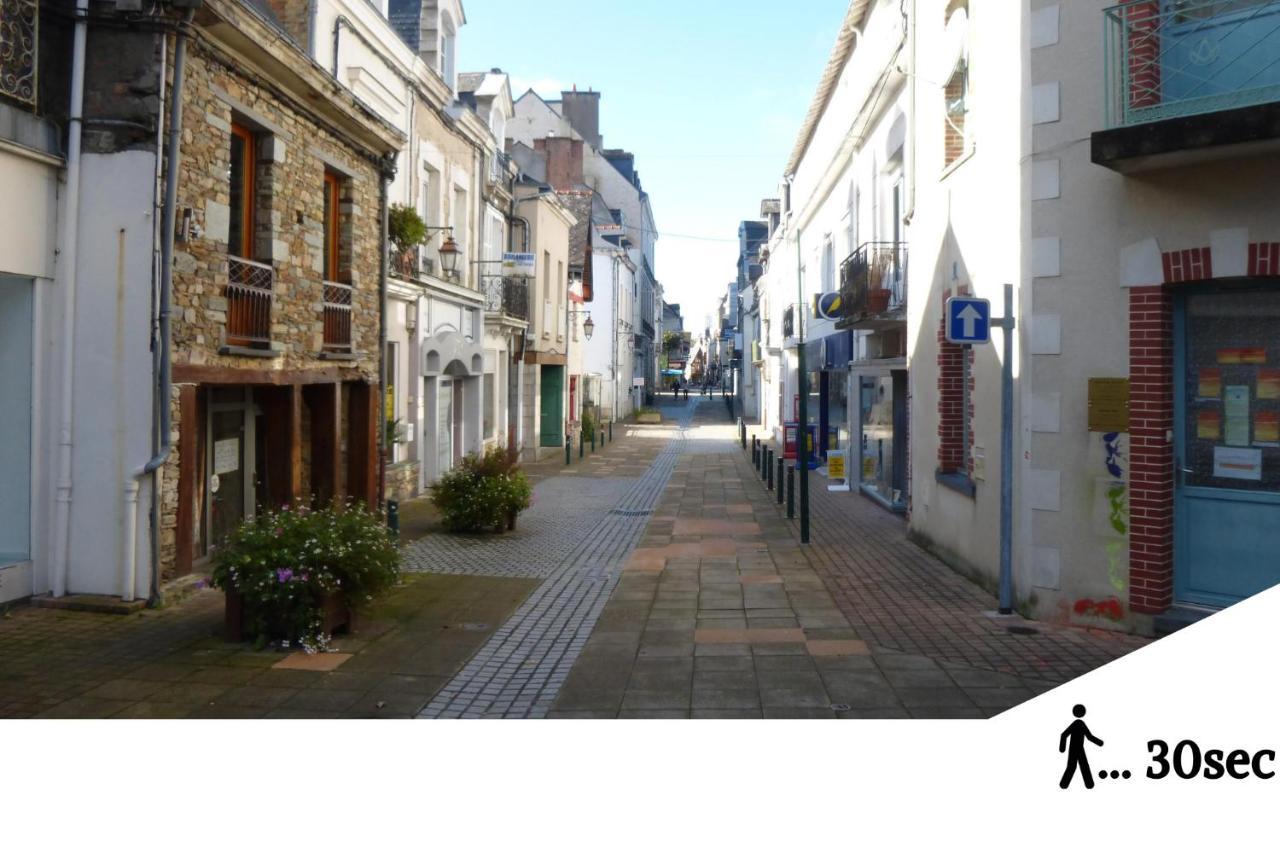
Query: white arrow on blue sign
x=968, y=320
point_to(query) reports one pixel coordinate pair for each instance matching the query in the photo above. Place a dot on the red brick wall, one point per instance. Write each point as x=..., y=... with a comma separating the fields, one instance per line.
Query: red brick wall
x=1264, y=259
x=951, y=414
x=564, y=161
x=1151, y=452
x=1142, y=21
x=1188, y=265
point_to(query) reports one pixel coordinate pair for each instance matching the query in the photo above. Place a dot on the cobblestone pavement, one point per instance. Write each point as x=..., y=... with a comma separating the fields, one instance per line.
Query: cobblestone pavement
x=720, y=613
x=521, y=669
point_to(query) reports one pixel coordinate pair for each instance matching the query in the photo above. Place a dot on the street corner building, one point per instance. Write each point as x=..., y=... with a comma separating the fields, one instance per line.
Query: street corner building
x=208, y=340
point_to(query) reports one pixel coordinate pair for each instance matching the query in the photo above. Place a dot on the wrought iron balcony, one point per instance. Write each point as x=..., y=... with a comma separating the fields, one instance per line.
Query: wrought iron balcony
x=1170, y=59
x=411, y=264
x=508, y=295
x=250, y=288
x=18, y=49
x=337, y=317
x=873, y=287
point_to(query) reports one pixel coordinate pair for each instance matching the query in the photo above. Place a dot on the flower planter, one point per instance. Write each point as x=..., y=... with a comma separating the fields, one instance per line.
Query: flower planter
x=653, y=418
x=878, y=301
x=335, y=615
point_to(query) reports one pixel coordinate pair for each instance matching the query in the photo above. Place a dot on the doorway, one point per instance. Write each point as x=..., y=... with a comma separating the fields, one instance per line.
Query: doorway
x=1226, y=442
x=231, y=484
x=551, y=430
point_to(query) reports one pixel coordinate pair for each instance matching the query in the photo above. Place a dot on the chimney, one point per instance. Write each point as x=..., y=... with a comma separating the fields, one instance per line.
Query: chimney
x=582, y=111
x=564, y=161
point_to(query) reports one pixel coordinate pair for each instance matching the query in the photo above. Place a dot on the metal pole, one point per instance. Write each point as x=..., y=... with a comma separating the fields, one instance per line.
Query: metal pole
x=582, y=443
x=781, y=486
x=1007, y=324
x=568, y=450
x=802, y=439
x=791, y=491
x=593, y=441
x=771, y=470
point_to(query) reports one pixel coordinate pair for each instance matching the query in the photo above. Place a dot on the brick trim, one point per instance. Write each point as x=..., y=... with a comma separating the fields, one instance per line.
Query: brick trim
x=1188, y=265
x=1264, y=260
x=951, y=415
x=1150, y=452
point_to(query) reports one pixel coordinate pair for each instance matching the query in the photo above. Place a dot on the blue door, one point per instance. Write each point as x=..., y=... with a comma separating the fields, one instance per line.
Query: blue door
x=1227, y=443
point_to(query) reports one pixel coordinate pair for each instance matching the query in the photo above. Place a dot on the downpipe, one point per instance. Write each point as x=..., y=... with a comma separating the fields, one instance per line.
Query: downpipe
x=68, y=241
x=162, y=426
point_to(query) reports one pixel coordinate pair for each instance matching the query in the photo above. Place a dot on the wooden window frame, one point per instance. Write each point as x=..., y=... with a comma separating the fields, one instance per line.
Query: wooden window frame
x=333, y=247
x=248, y=195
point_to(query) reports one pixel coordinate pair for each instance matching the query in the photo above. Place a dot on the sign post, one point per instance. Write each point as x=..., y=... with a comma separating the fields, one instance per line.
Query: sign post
x=968, y=322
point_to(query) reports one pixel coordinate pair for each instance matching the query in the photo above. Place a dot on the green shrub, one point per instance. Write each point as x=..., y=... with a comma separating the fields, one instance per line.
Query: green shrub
x=405, y=227
x=589, y=427
x=284, y=563
x=482, y=492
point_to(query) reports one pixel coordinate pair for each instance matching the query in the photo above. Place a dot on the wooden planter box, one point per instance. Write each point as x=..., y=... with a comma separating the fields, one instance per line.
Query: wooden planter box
x=336, y=617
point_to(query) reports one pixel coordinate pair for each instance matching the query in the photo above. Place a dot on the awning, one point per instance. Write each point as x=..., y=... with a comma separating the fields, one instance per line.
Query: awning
x=834, y=352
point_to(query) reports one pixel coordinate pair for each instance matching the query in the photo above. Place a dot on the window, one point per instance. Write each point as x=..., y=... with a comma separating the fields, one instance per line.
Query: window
x=955, y=93
x=448, y=48
x=240, y=175
x=458, y=219
x=546, y=318
x=560, y=284
x=828, y=265
x=490, y=404
x=332, y=231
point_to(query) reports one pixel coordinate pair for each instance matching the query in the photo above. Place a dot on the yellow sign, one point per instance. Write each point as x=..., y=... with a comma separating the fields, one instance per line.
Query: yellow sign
x=1108, y=405
x=835, y=466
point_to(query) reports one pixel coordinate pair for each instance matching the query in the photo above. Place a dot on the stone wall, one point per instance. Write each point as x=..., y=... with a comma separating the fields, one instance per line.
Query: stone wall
x=293, y=154
x=402, y=481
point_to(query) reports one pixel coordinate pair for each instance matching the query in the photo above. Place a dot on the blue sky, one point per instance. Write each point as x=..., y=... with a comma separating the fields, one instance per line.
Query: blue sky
x=709, y=95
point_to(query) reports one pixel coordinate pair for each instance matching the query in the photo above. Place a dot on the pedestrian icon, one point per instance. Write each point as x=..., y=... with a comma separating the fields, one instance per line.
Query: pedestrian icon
x=968, y=320
x=1072, y=743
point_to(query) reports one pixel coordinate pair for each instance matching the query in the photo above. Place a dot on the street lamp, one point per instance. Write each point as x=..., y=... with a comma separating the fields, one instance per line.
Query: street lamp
x=449, y=254
x=588, y=327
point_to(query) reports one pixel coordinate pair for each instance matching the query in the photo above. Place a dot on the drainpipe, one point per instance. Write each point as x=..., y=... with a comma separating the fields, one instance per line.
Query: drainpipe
x=161, y=441
x=386, y=173
x=68, y=243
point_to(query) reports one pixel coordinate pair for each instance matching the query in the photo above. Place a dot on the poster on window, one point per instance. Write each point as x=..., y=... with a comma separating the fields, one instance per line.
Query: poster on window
x=1210, y=385
x=226, y=456
x=1236, y=406
x=1209, y=425
x=1268, y=384
x=1266, y=429
x=1237, y=463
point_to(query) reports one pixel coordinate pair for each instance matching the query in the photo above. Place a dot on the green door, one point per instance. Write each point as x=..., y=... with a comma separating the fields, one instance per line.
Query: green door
x=552, y=434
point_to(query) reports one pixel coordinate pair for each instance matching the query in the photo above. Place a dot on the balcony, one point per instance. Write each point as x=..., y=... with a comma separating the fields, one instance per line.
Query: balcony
x=250, y=288
x=337, y=318
x=499, y=163
x=18, y=46
x=411, y=264
x=508, y=296
x=1189, y=81
x=873, y=287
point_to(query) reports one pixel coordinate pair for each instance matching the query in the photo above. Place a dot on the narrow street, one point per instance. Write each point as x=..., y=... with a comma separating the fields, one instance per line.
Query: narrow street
x=674, y=586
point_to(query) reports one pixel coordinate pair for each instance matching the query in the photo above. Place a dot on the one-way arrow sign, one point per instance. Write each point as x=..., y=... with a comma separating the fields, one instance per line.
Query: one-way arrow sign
x=968, y=320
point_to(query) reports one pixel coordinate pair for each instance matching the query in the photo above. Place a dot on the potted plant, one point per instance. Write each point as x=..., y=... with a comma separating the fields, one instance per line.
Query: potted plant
x=297, y=574
x=483, y=493
x=407, y=231
x=878, y=296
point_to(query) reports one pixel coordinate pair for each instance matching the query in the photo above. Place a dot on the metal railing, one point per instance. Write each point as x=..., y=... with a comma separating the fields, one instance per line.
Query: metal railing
x=411, y=263
x=249, y=295
x=873, y=282
x=507, y=295
x=337, y=317
x=498, y=165
x=1173, y=58
x=19, y=45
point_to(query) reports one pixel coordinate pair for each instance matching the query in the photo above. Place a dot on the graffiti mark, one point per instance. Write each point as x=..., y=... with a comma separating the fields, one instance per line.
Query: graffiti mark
x=1109, y=608
x=1116, y=506
x=1115, y=454
x=1115, y=565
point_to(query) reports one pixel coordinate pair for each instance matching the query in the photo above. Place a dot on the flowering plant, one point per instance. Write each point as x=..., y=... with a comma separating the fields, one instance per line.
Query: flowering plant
x=285, y=563
x=482, y=493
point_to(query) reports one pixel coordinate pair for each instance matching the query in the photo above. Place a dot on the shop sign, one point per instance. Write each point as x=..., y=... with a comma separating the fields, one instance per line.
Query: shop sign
x=1108, y=405
x=836, y=471
x=519, y=263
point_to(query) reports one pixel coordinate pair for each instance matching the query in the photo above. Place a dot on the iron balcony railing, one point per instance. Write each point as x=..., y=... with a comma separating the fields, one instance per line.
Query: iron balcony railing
x=1173, y=58
x=250, y=288
x=412, y=263
x=498, y=165
x=873, y=283
x=19, y=44
x=507, y=295
x=337, y=317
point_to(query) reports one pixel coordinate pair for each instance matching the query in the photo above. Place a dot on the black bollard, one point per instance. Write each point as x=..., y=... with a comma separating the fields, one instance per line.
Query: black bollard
x=393, y=518
x=568, y=450
x=602, y=436
x=766, y=470
x=755, y=450
x=593, y=441
x=791, y=491
x=611, y=430
x=781, y=487
x=582, y=443
x=771, y=469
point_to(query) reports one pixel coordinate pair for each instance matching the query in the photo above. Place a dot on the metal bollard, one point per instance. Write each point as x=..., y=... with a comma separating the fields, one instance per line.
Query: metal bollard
x=568, y=450
x=593, y=441
x=755, y=459
x=767, y=471
x=582, y=443
x=611, y=430
x=791, y=491
x=771, y=469
x=742, y=432
x=602, y=436
x=781, y=488
x=393, y=518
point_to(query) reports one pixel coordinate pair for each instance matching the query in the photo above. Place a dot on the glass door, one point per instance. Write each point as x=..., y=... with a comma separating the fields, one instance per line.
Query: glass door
x=444, y=426
x=1227, y=443
x=230, y=482
x=877, y=409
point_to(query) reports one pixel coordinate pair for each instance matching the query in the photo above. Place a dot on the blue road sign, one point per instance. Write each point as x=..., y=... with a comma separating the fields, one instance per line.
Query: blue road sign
x=968, y=320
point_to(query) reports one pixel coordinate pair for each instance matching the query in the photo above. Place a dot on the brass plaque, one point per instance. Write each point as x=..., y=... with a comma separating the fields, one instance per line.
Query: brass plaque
x=1108, y=405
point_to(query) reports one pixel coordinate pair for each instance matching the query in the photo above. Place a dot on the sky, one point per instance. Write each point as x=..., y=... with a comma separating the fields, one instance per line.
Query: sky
x=708, y=94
